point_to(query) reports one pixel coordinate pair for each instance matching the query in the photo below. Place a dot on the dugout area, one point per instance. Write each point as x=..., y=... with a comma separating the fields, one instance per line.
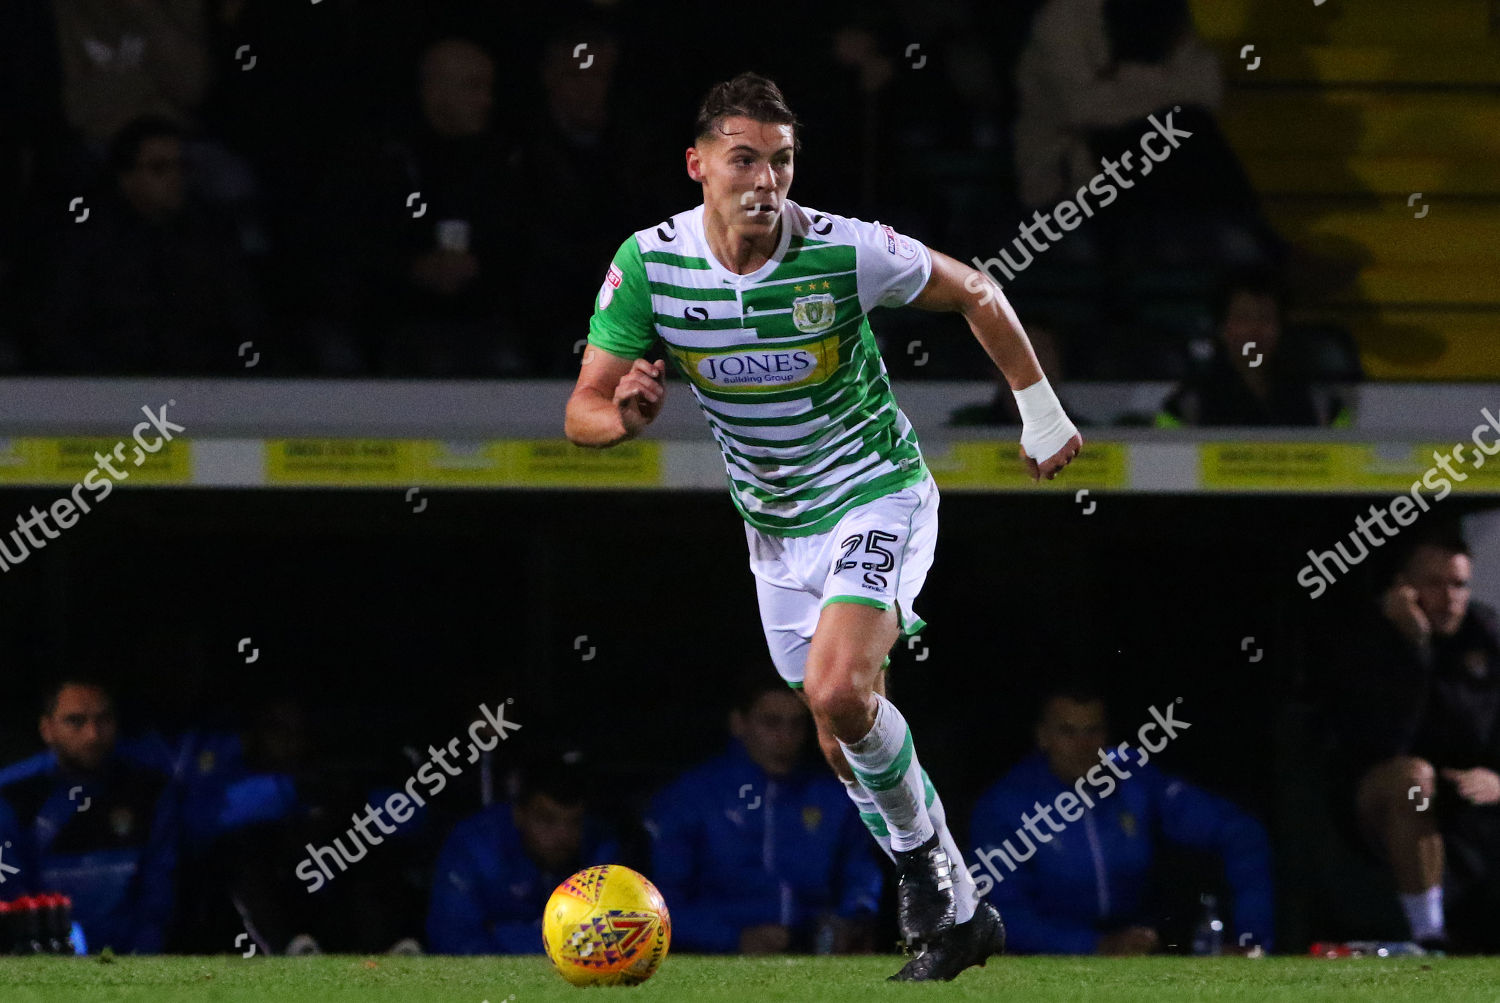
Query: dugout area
x=387, y=623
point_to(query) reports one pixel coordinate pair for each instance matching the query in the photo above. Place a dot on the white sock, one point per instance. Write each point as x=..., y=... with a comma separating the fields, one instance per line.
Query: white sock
x=869, y=814
x=965, y=893
x=885, y=763
x=1424, y=913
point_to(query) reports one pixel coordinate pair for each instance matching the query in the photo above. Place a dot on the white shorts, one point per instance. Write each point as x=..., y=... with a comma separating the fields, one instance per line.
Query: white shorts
x=878, y=554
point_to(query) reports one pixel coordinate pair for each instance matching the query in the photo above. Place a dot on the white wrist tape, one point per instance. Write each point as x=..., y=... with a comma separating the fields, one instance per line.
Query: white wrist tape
x=1045, y=429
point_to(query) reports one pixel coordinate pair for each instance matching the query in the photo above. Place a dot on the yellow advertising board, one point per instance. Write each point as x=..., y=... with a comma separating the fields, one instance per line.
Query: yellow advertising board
x=71, y=460
x=450, y=463
x=1340, y=466
x=989, y=465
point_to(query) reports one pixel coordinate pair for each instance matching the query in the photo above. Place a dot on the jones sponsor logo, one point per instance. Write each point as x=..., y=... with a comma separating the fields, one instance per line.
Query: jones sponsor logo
x=757, y=368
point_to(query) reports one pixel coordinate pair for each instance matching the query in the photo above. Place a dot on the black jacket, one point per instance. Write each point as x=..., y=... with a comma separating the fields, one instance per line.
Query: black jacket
x=1440, y=701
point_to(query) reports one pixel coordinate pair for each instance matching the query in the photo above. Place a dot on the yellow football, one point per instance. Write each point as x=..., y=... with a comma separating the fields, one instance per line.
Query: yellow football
x=606, y=926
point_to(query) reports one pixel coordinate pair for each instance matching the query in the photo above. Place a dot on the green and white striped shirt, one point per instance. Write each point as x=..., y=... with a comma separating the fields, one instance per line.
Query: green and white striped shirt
x=782, y=360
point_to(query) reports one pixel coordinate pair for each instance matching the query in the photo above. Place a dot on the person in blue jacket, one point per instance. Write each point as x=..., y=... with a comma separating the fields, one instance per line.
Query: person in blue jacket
x=757, y=854
x=229, y=780
x=1078, y=884
x=88, y=822
x=498, y=867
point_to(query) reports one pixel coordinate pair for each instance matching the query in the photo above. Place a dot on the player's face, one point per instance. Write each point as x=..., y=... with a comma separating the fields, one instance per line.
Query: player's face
x=81, y=730
x=1441, y=579
x=773, y=731
x=746, y=172
x=552, y=833
x=1071, y=734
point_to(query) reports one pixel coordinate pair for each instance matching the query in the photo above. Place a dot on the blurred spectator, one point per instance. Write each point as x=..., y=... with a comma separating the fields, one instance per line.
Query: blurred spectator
x=84, y=821
x=1075, y=81
x=148, y=282
x=1001, y=409
x=230, y=782
x=432, y=228
x=125, y=59
x=279, y=811
x=1095, y=79
x=585, y=185
x=757, y=854
x=1087, y=892
x=1419, y=741
x=1248, y=378
x=499, y=867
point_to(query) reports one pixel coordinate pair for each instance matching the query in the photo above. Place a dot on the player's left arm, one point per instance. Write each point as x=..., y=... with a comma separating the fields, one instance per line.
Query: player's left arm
x=1049, y=441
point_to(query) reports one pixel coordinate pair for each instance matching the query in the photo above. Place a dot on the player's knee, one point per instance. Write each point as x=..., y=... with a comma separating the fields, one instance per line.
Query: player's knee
x=831, y=694
x=848, y=712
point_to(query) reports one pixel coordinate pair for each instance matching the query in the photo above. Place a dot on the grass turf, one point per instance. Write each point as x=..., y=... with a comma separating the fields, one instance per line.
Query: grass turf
x=858, y=980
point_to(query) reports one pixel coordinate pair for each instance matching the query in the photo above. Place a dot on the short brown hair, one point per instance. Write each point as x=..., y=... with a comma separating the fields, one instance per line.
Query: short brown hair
x=748, y=95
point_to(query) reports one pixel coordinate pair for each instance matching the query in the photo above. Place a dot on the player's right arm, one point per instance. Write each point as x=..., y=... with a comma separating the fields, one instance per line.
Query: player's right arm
x=614, y=399
x=618, y=393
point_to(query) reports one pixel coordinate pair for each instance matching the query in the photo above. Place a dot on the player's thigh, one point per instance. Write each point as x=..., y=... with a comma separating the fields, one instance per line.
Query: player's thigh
x=849, y=647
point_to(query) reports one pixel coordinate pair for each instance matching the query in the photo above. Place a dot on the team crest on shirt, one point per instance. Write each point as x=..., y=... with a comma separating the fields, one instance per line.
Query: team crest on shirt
x=812, y=817
x=612, y=280
x=813, y=313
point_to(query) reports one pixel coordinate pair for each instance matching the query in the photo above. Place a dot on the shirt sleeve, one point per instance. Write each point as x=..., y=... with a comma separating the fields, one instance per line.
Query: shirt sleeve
x=891, y=267
x=621, y=324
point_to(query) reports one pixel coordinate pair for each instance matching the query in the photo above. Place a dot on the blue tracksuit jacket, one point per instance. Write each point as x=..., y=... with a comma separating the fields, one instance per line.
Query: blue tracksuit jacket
x=488, y=895
x=111, y=847
x=733, y=848
x=1091, y=877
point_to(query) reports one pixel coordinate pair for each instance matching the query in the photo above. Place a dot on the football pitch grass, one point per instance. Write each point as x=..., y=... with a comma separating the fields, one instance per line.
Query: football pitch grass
x=857, y=980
